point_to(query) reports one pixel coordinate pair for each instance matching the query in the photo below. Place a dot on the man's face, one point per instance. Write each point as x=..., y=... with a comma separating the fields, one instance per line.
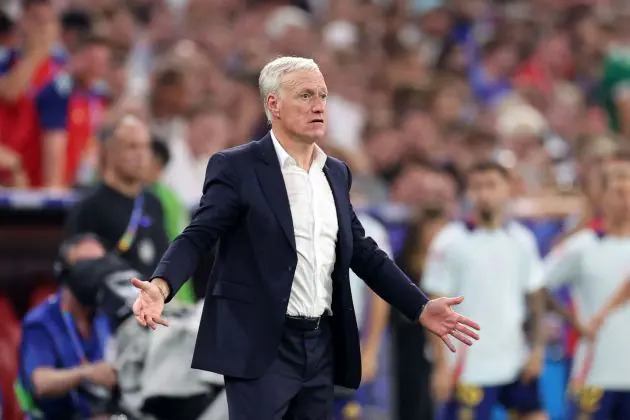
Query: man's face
x=131, y=152
x=301, y=104
x=208, y=133
x=506, y=59
x=40, y=13
x=489, y=191
x=96, y=60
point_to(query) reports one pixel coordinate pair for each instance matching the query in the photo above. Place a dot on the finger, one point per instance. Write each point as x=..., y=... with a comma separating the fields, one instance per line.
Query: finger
x=150, y=323
x=469, y=322
x=448, y=343
x=467, y=331
x=461, y=337
x=141, y=321
x=161, y=321
x=454, y=301
x=139, y=284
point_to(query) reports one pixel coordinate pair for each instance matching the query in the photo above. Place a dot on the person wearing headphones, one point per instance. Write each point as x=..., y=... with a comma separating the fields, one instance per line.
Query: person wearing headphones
x=63, y=373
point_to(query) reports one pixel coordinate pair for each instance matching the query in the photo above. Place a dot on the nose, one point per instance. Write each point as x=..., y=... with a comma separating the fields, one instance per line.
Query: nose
x=318, y=106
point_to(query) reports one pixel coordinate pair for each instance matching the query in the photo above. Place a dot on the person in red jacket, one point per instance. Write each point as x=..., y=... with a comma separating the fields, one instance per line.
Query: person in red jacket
x=24, y=69
x=69, y=110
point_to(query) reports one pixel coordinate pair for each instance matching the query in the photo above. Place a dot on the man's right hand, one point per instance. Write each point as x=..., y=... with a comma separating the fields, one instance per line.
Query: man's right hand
x=102, y=373
x=149, y=304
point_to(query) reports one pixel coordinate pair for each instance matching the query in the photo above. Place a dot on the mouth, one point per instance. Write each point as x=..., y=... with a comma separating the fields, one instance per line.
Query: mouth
x=317, y=121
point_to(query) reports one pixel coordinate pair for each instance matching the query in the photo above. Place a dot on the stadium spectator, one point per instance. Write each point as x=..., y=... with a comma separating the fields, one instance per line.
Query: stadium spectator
x=63, y=371
x=70, y=110
x=120, y=211
x=208, y=133
x=25, y=68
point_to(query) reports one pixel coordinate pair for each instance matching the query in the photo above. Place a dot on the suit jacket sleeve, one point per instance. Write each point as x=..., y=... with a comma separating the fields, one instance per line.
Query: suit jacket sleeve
x=218, y=211
x=381, y=274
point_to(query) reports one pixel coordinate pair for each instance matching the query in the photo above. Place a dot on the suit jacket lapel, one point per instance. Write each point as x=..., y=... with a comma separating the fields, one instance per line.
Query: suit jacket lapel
x=272, y=184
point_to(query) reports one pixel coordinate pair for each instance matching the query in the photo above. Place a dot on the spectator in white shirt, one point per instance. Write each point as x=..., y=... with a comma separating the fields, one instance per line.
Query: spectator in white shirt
x=494, y=262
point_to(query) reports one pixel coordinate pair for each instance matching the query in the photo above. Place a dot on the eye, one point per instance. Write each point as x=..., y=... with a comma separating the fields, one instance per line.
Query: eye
x=324, y=96
x=306, y=95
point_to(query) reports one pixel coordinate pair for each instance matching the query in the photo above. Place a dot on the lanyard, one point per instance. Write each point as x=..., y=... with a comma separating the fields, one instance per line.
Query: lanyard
x=132, y=228
x=100, y=330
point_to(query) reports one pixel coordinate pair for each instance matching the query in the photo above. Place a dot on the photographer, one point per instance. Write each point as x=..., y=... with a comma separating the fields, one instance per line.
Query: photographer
x=63, y=372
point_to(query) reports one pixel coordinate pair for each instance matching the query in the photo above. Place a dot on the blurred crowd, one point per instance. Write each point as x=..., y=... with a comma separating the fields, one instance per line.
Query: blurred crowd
x=419, y=90
x=415, y=86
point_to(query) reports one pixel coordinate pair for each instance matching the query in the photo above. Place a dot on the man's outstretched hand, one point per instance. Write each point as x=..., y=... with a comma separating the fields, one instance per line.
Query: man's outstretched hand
x=149, y=304
x=439, y=318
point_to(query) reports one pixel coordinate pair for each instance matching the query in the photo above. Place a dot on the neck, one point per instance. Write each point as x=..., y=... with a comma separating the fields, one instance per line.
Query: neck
x=491, y=72
x=302, y=152
x=130, y=188
x=494, y=222
x=160, y=110
x=80, y=315
x=82, y=82
x=619, y=227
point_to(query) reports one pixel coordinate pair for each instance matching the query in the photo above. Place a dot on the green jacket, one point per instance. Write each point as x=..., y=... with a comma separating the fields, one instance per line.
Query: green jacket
x=615, y=78
x=176, y=218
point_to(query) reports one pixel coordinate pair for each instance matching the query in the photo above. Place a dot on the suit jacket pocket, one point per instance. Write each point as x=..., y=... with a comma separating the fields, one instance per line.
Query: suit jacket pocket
x=234, y=291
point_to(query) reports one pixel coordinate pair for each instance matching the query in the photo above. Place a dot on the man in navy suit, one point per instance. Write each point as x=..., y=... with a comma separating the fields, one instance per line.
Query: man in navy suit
x=278, y=320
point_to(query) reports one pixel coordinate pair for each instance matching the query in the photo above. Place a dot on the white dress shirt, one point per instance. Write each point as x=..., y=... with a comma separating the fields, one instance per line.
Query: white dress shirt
x=315, y=228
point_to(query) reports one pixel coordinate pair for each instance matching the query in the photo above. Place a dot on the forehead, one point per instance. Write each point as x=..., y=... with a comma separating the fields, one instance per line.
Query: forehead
x=85, y=249
x=303, y=79
x=131, y=132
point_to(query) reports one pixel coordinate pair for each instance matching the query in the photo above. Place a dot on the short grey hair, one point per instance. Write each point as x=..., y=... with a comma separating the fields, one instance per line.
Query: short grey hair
x=271, y=75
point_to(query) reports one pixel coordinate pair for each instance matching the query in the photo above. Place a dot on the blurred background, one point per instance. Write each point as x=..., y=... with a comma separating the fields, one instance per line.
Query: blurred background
x=419, y=90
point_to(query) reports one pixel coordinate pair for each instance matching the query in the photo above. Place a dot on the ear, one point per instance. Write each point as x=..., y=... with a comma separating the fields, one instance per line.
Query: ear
x=273, y=105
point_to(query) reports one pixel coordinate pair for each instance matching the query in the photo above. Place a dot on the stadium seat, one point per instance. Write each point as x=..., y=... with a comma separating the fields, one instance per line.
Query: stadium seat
x=40, y=294
x=8, y=373
x=10, y=326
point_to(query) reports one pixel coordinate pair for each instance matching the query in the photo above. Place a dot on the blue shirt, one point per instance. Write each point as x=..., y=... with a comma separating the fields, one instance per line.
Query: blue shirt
x=486, y=90
x=40, y=349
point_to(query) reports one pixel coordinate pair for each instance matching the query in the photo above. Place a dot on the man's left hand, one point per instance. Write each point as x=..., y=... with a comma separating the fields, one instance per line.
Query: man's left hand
x=439, y=318
x=534, y=365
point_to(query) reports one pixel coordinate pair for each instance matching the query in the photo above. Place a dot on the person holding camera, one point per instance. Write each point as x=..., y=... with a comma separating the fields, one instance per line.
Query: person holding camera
x=63, y=373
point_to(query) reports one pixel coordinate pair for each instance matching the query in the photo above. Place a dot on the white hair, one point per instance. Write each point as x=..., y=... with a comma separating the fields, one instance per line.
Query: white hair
x=271, y=75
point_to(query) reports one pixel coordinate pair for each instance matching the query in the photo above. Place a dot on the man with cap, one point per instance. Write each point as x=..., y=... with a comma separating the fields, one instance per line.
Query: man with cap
x=62, y=373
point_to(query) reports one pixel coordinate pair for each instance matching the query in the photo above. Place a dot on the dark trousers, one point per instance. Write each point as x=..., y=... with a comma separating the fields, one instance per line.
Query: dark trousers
x=297, y=386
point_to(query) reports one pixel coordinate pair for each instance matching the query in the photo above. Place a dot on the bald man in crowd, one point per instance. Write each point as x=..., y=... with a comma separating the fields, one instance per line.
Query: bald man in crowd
x=124, y=215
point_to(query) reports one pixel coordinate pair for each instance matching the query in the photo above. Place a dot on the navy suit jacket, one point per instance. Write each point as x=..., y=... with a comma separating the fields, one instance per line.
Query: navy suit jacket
x=245, y=208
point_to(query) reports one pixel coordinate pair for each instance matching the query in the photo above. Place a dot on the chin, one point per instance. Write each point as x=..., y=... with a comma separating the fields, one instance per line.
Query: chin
x=312, y=137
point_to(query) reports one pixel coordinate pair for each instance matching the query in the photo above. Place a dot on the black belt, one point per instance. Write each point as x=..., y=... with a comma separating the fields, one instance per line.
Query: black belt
x=304, y=323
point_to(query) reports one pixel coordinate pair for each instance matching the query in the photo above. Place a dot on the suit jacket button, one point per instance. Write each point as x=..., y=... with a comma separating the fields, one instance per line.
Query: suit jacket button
x=285, y=300
x=290, y=268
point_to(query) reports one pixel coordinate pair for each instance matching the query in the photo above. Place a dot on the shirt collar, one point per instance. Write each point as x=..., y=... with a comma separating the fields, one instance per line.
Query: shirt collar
x=285, y=160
